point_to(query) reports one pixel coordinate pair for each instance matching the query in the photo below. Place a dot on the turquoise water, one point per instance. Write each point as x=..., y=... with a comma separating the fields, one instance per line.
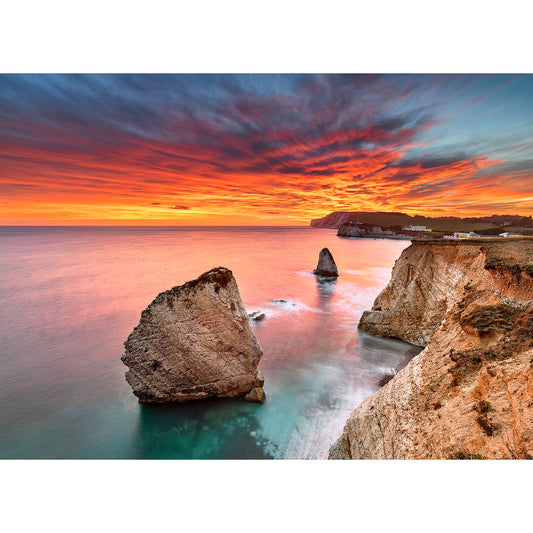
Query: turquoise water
x=71, y=296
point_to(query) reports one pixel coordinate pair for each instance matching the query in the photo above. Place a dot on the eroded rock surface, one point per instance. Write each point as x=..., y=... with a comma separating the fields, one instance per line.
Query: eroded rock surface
x=194, y=341
x=350, y=230
x=469, y=393
x=356, y=229
x=326, y=264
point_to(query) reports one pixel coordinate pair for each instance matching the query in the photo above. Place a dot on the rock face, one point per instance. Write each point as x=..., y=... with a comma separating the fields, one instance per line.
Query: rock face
x=351, y=229
x=194, y=341
x=326, y=264
x=426, y=282
x=469, y=393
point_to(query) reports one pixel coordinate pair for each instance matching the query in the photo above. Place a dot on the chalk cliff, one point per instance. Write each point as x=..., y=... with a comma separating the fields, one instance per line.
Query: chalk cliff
x=351, y=229
x=332, y=221
x=195, y=341
x=469, y=393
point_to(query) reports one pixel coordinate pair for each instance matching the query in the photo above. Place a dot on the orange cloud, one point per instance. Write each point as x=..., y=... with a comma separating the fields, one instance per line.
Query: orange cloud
x=253, y=159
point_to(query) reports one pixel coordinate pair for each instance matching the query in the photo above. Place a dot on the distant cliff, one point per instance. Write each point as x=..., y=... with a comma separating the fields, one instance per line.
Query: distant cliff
x=332, y=221
x=395, y=221
x=469, y=393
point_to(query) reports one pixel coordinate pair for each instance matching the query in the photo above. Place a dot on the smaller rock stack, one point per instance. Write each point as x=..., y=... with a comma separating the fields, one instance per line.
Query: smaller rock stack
x=326, y=265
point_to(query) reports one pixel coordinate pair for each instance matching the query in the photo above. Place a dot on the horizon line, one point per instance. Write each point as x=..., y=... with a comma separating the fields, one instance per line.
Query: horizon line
x=154, y=226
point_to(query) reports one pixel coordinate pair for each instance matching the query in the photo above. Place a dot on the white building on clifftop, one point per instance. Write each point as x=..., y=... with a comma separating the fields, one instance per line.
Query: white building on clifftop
x=415, y=228
x=459, y=235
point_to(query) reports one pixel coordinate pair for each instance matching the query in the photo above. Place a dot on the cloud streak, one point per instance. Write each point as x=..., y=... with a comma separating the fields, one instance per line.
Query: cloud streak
x=254, y=149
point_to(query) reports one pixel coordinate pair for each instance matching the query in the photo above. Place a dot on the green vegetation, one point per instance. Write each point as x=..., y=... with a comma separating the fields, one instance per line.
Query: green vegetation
x=514, y=268
x=491, y=319
x=511, y=267
x=468, y=363
x=513, y=255
x=484, y=407
x=488, y=426
x=515, y=326
x=466, y=455
x=519, y=229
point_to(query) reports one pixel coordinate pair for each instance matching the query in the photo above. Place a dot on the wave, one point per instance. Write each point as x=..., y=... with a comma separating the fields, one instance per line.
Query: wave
x=275, y=308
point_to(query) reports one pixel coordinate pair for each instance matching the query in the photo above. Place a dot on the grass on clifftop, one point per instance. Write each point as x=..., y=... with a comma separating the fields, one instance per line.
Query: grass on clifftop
x=513, y=253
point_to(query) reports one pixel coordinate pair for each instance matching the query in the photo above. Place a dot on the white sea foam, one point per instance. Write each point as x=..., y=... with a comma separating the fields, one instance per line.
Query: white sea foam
x=306, y=274
x=278, y=308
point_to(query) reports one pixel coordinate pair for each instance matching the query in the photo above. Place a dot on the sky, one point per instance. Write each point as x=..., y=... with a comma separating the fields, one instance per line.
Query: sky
x=256, y=149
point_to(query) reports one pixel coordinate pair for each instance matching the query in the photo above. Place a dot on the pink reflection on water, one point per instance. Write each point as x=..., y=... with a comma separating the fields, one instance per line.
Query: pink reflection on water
x=72, y=296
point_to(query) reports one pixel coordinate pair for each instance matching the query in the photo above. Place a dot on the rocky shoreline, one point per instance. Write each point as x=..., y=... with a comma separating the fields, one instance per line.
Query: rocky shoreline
x=469, y=393
x=376, y=236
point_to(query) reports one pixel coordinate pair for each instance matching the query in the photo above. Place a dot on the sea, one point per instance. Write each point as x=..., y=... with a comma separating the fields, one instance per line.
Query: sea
x=70, y=296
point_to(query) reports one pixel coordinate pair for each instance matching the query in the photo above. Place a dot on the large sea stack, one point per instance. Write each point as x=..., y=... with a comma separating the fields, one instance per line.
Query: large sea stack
x=195, y=341
x=326, y=265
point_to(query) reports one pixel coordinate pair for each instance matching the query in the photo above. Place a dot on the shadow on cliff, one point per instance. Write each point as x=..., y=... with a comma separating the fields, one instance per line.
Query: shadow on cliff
x=203, y=429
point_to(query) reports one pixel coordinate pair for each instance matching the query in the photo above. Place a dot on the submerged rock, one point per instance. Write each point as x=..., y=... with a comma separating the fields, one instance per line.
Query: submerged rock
x=256, y=395
x=257, y=316
x=326, y=265
x=194, y=341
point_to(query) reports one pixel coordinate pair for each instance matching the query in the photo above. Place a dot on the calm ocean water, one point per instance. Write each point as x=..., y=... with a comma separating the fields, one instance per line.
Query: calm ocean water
x=71, y=296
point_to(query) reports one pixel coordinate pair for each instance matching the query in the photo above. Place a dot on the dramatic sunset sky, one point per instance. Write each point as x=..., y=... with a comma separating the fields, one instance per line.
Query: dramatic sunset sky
x=261, y=149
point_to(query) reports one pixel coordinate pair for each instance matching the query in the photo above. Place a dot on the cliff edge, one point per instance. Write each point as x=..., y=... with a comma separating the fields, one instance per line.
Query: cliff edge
x=469, y=393
x=331, y=221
